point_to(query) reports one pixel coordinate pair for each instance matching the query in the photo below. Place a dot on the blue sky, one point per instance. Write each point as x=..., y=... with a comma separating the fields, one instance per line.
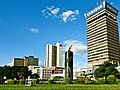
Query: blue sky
x=26, y=26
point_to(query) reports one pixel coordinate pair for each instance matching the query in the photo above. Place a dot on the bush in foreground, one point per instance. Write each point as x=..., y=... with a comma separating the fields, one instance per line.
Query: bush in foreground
x=82, y=81
x=87, y=80
x=10, y=81
x=77, y=81
x=21, y=81
x=101, y=80
x=118, y=81
x=111, y=79
x=51, y=82
x=68, y=80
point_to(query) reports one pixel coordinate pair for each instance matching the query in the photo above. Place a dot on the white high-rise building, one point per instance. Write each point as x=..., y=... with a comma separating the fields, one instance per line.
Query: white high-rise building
x=53, y=55
x=59, y=54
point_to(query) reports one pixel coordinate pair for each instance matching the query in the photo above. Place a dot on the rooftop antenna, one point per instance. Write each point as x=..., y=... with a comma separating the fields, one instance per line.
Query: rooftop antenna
x=70, y=48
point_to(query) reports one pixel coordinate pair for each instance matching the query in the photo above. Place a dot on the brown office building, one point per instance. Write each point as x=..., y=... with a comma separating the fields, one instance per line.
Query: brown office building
x=102, y=35
x=18, y=62
x=26, y=61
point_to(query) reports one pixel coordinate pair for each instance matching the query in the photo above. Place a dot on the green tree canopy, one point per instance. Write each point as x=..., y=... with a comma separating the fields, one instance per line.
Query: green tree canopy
x=106, y=69
x=14, y=72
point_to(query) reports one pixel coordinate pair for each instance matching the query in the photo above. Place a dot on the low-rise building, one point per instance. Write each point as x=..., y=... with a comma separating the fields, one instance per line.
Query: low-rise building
x=84, y=71
x=46, y=73
x=43, y=72
x=58, y=71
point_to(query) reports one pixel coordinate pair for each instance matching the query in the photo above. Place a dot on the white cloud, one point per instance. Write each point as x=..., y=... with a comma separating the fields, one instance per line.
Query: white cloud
x=77, y=47
x=55, y=11
x=34, y=30
x=51, y=12
x=9, y=64
x=69, y=15
x=65, y=16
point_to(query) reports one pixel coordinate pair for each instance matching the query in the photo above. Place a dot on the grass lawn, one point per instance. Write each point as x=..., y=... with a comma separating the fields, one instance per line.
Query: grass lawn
x=61, y=87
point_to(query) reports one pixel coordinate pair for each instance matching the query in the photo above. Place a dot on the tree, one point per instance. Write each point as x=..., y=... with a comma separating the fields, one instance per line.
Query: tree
x=12, y=72
x=21, y=75
x=106, y=69
x=111, y=79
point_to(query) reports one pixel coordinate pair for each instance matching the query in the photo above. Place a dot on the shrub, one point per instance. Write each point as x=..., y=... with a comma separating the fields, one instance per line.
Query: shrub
x=118, y=81
x=50, y=81
x=58, y=78
x=21, y=81
x=16, y=81
x=87, y=80
x=10, y=81
x=93, y=82
x=77, y=81
x=68, y=80
x=37, y=81
x=111, y=79
x=1, y=81
x=101, y=80
x=82, y=81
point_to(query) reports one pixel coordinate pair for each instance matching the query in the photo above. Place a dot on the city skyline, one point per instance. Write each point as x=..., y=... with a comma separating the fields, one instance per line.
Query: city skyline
x=26, y=27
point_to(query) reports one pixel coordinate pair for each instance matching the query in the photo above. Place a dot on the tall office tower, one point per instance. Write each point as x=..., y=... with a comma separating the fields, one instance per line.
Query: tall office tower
x=69, y=64
x=59, y=54
x=102, y=35
x=53, y=55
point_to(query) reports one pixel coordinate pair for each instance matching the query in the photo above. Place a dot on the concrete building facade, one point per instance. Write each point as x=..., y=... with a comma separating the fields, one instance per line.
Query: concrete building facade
x=58, y=71
x=47, y=73
x=30, y=60
x=53, y=55
x=18, y=62
x=26, y=61
x=102, y=35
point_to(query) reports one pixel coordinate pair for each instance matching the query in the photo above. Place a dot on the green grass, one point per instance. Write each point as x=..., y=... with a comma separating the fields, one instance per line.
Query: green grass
x=61, y=87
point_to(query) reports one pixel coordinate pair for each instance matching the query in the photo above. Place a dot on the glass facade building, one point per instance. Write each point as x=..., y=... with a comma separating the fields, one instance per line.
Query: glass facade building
x=69, y=64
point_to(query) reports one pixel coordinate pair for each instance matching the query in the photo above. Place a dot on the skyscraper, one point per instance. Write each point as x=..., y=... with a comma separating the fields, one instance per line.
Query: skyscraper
x=59, y=54
x=69, y=64
x=102, y=34
x=53, y=55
